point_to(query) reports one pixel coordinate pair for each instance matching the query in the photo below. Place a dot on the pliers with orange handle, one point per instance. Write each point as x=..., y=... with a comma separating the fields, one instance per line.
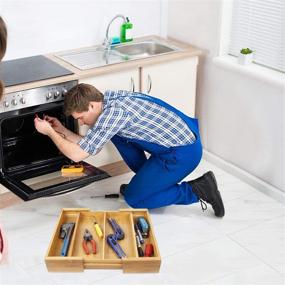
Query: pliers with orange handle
x=87, y=237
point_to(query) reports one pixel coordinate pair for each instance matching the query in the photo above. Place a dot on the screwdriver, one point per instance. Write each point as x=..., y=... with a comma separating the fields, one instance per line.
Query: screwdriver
x=139, y=247
x=114, y=195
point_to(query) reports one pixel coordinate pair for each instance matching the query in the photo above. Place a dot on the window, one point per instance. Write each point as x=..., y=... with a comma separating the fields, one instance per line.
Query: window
x=260, y=26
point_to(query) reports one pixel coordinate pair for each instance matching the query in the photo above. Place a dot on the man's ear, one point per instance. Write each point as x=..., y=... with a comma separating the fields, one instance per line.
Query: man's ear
x=91, y=105
x=94, y=105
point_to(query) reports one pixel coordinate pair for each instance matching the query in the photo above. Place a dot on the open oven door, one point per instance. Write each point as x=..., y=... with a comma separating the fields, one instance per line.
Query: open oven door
x=30, y=163
x=48, y=180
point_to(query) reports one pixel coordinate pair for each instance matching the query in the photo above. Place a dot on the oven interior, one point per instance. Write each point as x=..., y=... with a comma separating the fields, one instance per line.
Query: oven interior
x=23, y=148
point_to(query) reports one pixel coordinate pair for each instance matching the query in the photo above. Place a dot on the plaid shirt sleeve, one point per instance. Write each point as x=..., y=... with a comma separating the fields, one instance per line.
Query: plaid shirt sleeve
x=109, y=123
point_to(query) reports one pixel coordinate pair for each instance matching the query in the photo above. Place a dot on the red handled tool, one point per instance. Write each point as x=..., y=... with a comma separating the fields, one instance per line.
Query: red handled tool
x=87, y=237
x=148, y=250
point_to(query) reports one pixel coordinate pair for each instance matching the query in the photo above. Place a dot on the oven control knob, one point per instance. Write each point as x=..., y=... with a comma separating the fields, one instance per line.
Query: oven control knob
x=56, y=94
x=6, y=104
x=23, y=100
x=14, y=102
x=63, y=92
x=49, y=95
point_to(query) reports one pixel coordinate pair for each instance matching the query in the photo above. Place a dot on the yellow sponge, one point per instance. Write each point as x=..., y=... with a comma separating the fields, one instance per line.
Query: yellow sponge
x=76, y=168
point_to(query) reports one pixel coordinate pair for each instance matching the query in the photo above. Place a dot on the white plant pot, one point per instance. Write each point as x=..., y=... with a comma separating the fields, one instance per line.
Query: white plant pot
x=245, y=59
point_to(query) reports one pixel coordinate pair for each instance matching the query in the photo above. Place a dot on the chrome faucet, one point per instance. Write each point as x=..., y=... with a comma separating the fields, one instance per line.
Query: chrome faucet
x=107, y=42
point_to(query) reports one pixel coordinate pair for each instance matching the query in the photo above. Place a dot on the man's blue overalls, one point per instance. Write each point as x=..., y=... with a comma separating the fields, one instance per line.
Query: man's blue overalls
x=156, y=181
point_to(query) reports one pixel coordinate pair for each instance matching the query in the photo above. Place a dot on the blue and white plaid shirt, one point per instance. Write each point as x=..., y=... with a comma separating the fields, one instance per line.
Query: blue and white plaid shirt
x=128, y=116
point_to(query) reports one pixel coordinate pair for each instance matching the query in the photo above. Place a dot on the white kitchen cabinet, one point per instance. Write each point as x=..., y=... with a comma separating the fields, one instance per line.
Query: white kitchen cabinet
x=174, y=82
x=122, y=80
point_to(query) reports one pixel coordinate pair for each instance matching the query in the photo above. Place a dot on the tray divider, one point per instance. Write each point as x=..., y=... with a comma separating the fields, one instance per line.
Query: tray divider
x=104, y=236
x=71, y=246
x=133, y=233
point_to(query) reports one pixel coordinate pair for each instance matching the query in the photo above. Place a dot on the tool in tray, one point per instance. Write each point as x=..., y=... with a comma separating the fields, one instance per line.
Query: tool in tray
x=87, y=237
x=112, y=239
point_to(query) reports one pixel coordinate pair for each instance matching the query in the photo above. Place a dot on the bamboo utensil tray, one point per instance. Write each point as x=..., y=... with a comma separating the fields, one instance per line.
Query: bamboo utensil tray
x=105, y=258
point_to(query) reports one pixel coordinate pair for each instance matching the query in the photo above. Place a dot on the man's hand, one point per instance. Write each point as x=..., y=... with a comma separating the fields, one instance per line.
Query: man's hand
x=55, y=124
x=43, y=126
x=69, y=148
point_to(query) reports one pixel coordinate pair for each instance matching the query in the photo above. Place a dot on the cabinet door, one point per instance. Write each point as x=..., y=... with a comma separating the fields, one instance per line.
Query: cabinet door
x=174, y=82
x=122, y=80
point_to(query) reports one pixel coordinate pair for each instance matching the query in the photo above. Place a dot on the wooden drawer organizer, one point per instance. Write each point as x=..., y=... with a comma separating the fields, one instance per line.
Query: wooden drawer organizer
x=105, y=258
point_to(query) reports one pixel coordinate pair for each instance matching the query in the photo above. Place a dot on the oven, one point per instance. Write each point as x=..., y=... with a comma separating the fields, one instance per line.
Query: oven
x=30, y=163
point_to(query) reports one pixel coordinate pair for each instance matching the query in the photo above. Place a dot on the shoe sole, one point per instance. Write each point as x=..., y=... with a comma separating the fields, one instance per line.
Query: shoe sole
x=123, y=189
x=219, y=197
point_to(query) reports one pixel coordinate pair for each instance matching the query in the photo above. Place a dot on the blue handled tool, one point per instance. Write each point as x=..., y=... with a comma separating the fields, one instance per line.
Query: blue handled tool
x=66, y=231
x=113, y=243
x=118, y=232
x=143, y=226
x=112, y=239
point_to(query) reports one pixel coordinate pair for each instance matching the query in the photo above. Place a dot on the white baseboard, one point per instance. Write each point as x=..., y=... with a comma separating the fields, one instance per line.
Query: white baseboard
x=250, y=179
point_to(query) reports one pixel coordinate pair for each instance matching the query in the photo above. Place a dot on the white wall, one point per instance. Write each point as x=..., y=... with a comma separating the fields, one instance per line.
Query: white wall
x=44, y=26
x=241, y=117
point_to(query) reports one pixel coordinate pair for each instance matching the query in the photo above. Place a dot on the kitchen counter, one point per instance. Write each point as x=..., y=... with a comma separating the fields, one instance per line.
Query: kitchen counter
x=186, y=51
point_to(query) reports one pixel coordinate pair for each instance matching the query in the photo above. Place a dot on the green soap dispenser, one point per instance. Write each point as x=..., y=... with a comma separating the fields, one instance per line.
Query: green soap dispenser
x=126, y=31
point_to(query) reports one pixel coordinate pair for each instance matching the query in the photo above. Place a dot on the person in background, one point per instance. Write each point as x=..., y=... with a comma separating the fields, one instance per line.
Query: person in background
x=3, y=45
x=137, y=123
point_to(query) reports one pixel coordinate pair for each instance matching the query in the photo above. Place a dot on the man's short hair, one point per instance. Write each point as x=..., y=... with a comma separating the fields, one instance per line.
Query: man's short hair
x=77, y=99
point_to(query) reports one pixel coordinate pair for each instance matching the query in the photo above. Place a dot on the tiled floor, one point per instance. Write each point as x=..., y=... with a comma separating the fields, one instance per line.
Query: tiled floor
x=246, y=247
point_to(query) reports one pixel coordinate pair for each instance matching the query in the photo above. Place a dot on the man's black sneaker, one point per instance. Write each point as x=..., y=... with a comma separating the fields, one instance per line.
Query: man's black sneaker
x=123, y=189
x=206, y=188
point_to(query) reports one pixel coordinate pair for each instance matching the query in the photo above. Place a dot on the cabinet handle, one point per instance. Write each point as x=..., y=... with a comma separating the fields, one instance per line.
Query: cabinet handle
x=149, y=82
x=132, y=85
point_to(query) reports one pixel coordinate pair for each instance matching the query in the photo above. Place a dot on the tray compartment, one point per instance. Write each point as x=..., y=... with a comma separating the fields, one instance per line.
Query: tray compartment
x=124, y=219
x=86, y=221
x=150, y=239
x=54, y=261
x=143, y=264
x=66, y=217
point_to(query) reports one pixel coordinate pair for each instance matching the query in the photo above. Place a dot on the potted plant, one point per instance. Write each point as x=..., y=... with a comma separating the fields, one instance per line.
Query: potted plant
x=245, y=56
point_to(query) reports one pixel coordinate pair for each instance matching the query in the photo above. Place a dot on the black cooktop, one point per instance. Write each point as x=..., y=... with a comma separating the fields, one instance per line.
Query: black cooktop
x=29, y=69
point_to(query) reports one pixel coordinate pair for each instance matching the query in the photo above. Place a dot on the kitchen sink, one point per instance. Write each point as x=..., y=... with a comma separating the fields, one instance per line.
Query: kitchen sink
x=91, y=58
x=143, y=49
x=98, y=56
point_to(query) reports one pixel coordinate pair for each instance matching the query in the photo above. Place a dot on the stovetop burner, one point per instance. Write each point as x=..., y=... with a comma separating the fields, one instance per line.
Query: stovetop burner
x=29, y=69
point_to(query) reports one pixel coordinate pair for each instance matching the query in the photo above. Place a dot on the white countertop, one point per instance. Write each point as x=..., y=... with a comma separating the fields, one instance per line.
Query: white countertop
x=185, y=51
